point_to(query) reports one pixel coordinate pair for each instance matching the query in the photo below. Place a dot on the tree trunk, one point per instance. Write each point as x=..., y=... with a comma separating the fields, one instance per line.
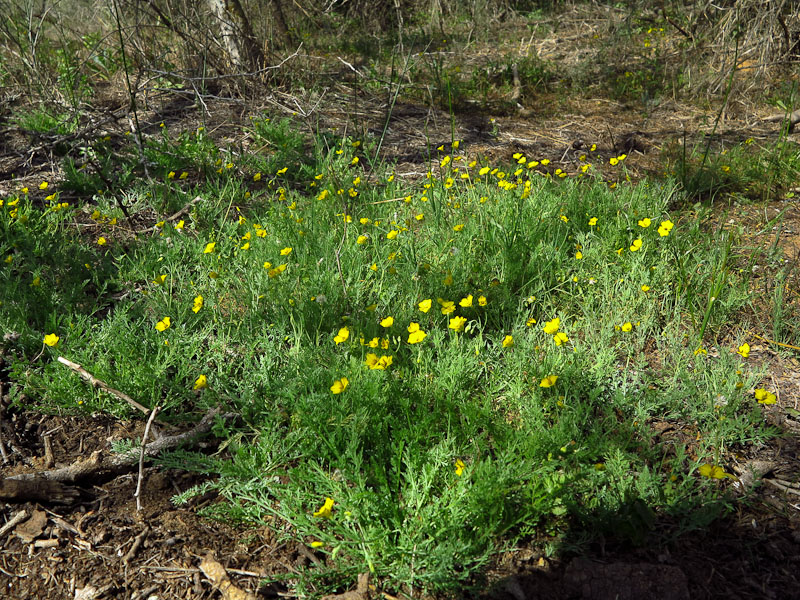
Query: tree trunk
x=238, y=40
x=279, y=23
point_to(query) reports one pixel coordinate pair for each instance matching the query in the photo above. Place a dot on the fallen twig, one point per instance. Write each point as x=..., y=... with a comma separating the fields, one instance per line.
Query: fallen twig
x=95, y=382
x=137, y=542
x=782, y=486
x=95, y=465
x=17, y=518
x=137, y=494
x=172, y=217
x=769, y=341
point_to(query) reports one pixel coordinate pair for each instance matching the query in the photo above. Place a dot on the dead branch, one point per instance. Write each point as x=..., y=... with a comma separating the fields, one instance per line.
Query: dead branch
x=172, y=217
x=96, y=466
x=101, y=384
x=249, y=75
x=138, y=493
x=17, y=518
x=38, y=491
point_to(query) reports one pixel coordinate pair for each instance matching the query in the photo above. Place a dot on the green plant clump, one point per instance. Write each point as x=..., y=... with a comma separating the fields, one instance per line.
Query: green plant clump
x=423, y=373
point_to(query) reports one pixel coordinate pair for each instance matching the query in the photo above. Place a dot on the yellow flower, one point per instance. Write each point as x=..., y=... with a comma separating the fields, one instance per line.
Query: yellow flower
x=339, y=385
x=184, y=175
x=458, y=227
x=392, y=234
x=448, y=306
x=457, y=323
x=466, y=302
x=43, y=185
x=101, y=241
x=317, y=544
x=362, y=239
x=636, y=245
x=179, y=225
x=198, y=304
x=200, y=383
x=51, y=339
x=549, y=381
x=579, y=255
x=387, y=322
x=171, y=175
x=342, y=336
x=645, y=288
x=209, y=247
x=645, y=223
x=375, y=363
x=765, y=397
x=425, y=305
x=286, y=251
x=160, y=279
x=744, y=350
x=665, y=228
x=163, y=324
x=448, y=280
x=626, y=326
x=551, y=327
x=415, y=334
x=508, y=341
x=482, y=300
x=325, y=509
x=713, y=472
x=257, y=177
x=564, y=218
x=560, y=338
x=459, y=467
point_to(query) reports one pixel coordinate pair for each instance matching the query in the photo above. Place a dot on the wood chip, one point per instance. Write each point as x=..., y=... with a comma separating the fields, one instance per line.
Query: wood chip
x=33, y=527
x=219, y=577
x=362, y=591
